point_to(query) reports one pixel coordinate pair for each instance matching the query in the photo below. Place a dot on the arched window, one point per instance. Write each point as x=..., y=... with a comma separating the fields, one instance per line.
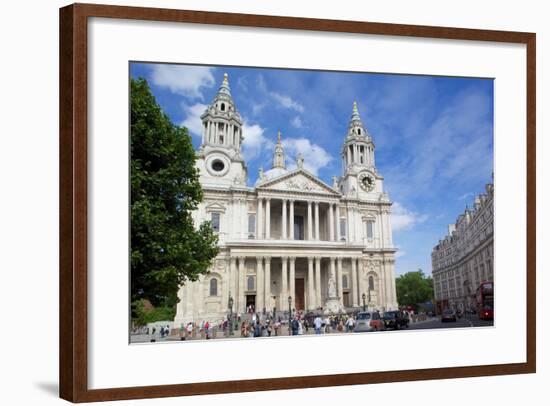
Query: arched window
x=223, y=106
x=371, y=282
x=213, y=287
x=344, y=281
x=250, y=283
x=359, y=131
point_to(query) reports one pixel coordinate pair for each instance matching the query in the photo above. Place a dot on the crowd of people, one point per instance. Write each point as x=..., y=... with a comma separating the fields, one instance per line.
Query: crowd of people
x=266, y=324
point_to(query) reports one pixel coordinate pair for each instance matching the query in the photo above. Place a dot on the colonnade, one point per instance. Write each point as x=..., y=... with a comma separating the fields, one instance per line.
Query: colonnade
x=313, y=293
x=263, y=214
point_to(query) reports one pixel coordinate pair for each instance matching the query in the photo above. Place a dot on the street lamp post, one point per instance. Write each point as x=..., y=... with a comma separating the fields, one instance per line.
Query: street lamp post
x=289, y=314
x=230, y=306
x=364, y=297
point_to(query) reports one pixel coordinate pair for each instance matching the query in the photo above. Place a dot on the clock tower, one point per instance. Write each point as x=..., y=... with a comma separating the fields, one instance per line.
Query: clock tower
x=220, y=162
x=360, y=178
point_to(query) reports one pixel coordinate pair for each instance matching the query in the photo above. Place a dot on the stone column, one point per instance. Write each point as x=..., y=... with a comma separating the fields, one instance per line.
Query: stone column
x=242, y=285
x=259, y=284
x=332, y=273
x=340, y=287
x=233, y=280
x=259, y=234
x=361, y=283
x=317, y=221
x=268, y=218
x=310, y=283
x=292, y=290
x=351, y=234
x=354, y=285
x=338, y=236
x=291, y=221
x=284, y=286
x=267, y=283
x=349, y=155
x=318, y=281
x=309, y=222
x=331, y=222
x=284, y=235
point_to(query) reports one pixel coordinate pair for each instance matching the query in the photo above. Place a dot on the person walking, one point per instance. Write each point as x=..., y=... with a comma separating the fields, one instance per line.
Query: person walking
x=295, y=326
x=317, y=323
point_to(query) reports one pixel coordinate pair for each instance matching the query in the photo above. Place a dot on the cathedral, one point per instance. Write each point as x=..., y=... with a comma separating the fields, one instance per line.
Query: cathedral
x=291, y=240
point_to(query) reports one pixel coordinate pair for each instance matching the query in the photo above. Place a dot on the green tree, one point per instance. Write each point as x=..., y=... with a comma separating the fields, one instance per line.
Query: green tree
x=166, y=249
x=413, y=288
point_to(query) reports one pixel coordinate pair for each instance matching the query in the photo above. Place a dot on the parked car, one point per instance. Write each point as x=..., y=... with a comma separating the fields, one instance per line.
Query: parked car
x=395, y=320
x=368, y=321
x=448, y=315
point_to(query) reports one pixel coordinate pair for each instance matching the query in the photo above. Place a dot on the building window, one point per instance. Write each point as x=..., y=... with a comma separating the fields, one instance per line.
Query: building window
x=215, y=218
x=250, y=283
x=371, y=282
x=359, y=131
x=223, y=106
x=251, y=225
x=343, y=229
x=213, y=287
x=345, y=282
x=221, y=138
x=370, y=229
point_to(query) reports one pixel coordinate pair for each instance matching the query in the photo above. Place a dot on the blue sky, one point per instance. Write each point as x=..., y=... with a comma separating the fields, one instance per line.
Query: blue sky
x=433, y=135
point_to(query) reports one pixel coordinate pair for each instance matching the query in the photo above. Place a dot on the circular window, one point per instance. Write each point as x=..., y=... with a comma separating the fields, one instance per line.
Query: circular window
x=218, y=165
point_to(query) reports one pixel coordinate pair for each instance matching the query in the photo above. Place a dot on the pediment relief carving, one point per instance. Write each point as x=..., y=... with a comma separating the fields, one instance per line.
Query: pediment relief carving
x=299, y=182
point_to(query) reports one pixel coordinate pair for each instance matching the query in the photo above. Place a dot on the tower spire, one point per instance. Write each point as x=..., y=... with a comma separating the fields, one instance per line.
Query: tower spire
x=224, y=87
x=279, y=154
x=222, y=124
x=355, y=114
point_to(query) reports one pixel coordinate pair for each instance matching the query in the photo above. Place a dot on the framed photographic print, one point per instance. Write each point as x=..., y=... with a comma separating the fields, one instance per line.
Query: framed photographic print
x=315, y=193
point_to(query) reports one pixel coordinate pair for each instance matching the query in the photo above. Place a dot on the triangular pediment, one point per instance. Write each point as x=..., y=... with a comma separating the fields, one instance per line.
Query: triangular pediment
x=298, y=180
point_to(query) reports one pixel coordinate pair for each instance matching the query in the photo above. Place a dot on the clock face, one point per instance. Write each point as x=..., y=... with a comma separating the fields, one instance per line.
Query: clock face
x=367, y=182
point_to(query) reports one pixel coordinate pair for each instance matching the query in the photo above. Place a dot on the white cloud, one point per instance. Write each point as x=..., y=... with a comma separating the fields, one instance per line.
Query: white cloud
x=183, y=80
x=257, y=108
x=403, y=219
x=297, y=122
x=254, y=140
x=315, y=156
x=193, y=118
x=283, y=100
x=400, y=253
x=287, y=102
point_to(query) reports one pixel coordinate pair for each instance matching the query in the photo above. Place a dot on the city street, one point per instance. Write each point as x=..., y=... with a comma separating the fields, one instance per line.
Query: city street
x=432, y=323
x=468, y=321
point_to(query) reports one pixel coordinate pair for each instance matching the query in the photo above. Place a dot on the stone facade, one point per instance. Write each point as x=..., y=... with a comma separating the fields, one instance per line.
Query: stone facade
x=291, y=235
x=464, y=258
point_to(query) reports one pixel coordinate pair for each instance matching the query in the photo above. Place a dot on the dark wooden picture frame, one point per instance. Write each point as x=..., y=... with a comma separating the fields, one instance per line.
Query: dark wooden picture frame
x=73, y=201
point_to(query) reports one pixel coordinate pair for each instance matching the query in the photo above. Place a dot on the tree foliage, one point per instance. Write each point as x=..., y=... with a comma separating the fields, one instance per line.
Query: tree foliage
x=414, y=288
x=166, y=248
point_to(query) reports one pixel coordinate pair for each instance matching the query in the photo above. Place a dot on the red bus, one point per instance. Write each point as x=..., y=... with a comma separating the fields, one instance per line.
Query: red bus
x=484, y=299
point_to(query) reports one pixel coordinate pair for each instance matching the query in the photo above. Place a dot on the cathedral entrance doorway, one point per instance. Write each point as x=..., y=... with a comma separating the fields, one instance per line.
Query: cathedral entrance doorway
x=346, y=299
x=299, y=286
x=251, y=301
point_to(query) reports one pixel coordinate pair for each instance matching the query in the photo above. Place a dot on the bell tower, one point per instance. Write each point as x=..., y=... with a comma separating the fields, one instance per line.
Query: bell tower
x=219, y=158
x=221, y=122
x=358, y=166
